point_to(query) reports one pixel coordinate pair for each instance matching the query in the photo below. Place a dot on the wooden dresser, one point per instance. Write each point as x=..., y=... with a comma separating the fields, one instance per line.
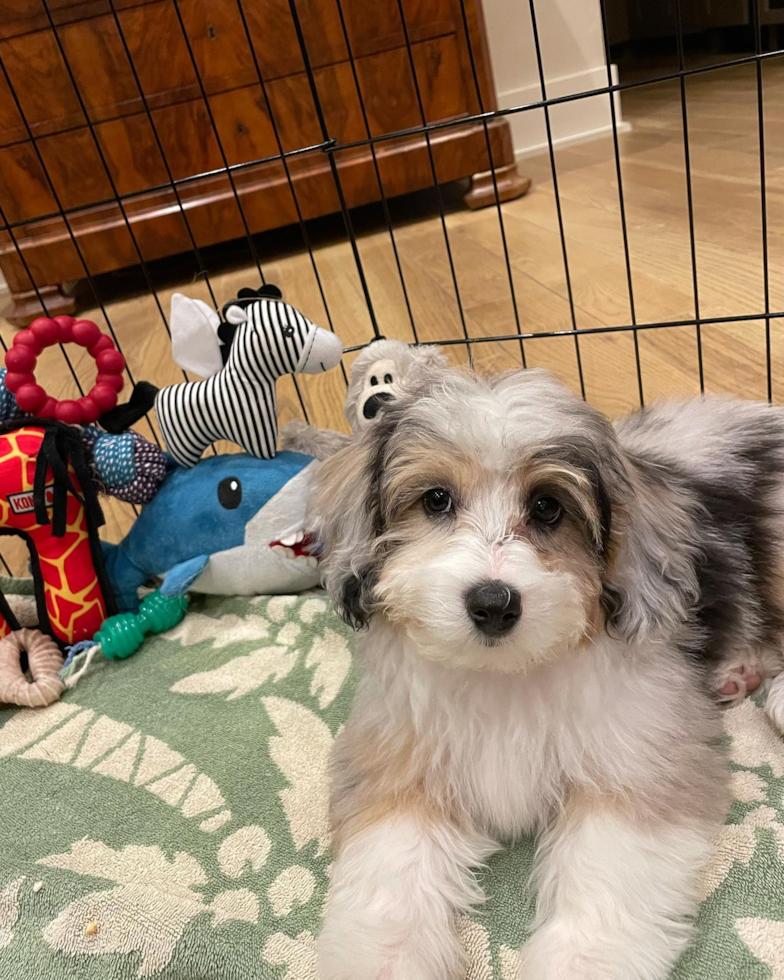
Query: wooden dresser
x=52, y=119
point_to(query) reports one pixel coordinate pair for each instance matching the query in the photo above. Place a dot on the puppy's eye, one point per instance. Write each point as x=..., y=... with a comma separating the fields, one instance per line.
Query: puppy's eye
x=388, y=379
x=547, y=511
x=373, y=379
x=437, y=501
x=288, y=331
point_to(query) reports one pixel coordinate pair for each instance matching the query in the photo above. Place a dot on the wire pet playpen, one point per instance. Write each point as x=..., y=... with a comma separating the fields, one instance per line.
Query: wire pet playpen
x=482, y=310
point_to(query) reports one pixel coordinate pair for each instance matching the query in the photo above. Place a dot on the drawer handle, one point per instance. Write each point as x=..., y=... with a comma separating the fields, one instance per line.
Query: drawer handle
x=211, y=32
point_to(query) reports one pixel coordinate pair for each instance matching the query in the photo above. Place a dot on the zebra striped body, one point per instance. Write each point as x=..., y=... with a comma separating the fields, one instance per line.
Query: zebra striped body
x=239, y=403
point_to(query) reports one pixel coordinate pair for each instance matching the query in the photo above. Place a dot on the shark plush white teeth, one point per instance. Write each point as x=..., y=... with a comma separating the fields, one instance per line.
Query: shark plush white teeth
x=293, y=538
x=281, y=548
x=297, y=544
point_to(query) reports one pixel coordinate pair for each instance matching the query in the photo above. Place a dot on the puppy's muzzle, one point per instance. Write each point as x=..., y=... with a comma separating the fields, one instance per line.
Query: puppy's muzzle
x=494, y=608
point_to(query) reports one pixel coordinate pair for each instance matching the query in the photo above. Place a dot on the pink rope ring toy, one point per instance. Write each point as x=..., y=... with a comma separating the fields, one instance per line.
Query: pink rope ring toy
x=44, y=662
x=21, y=358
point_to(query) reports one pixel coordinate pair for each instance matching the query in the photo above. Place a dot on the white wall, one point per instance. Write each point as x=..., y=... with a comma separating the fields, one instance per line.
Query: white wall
x=570, y=36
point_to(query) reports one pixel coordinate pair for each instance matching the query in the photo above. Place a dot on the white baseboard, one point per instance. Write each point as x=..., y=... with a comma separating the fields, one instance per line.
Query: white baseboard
x=582, y=137
x=570, y=122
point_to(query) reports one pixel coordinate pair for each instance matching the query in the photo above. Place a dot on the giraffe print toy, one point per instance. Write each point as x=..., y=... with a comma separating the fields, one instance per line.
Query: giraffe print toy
x=47, y=497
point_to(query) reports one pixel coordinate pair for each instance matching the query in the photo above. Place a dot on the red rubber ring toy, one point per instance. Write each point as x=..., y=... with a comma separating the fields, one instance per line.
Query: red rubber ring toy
x=21, y=358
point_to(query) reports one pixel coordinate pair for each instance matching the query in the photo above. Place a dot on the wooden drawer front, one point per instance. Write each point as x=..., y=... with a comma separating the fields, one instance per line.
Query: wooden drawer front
x=10, y=120
x=41, y=83
x=103, y=75
x=24, y=192
x=131, y=151
x=389, y=90
x=23, y=16
x=100, y=67
x=376, y=27
x=75, y=169
x=160, y=230
x=372, y=26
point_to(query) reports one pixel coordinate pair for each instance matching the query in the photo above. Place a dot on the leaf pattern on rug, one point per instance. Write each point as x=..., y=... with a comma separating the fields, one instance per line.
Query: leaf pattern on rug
x=293, y=887
x=246, y=849
x=509, y=960
x=476, y=940
x=331, y=657
x=146, y=912
x=224, y=631
x=313, y=608
x=755, y=742
x=9, y=910
x=765, y=939
x=297, y=954
x=241, y=675
x=755, y=745
x=277, y=606
x=106, y=747
x=734, y=844
x=301, y=751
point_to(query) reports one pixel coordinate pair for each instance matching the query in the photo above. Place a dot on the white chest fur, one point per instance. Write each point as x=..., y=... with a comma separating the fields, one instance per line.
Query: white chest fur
x=511, y=744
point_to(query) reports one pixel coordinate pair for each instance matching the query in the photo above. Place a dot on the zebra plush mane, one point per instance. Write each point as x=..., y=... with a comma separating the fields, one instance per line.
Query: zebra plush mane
x=245, y=298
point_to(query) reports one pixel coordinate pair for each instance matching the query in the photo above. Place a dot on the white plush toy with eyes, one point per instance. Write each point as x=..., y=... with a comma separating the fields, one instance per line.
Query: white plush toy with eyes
x=376, y=377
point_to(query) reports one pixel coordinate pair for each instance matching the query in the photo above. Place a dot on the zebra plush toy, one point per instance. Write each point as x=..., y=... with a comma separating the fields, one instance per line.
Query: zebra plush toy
x=259, y=339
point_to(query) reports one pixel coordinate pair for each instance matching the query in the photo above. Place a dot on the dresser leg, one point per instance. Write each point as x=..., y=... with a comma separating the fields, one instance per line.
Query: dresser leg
x=481, y=193
x=25, y=306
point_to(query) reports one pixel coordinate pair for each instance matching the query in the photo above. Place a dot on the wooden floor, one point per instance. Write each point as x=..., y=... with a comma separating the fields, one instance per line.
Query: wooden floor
x=725, y=168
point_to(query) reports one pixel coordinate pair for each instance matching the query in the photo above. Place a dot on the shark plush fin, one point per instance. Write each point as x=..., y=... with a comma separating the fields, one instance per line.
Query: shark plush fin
x=180, y=578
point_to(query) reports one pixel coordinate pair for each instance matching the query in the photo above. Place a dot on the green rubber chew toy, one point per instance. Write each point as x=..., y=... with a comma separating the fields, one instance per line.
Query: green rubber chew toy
x=122, y=635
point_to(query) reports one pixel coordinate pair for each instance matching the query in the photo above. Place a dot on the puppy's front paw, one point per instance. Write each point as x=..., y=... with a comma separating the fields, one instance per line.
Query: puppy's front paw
x=374, y=954
x=555, y=953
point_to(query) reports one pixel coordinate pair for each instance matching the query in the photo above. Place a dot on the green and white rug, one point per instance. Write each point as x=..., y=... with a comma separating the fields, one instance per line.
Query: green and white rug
x=168, y=817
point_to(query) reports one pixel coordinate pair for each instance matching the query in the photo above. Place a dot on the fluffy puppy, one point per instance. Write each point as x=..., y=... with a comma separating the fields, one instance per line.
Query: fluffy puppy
x=546, y=599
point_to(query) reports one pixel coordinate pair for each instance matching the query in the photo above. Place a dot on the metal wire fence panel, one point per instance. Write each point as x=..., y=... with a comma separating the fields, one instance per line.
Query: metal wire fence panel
x=381, y=274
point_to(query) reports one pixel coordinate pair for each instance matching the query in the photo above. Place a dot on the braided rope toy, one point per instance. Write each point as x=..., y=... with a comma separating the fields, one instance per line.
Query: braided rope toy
x=126, y=466
x=44, y=332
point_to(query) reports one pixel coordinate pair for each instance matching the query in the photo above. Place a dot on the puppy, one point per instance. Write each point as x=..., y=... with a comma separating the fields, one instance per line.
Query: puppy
x=548, y=600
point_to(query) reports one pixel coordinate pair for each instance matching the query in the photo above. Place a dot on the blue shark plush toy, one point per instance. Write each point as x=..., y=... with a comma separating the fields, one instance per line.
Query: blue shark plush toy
x=231, y=525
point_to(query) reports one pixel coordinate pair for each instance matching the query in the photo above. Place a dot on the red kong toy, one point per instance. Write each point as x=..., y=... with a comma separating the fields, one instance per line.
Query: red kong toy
x=20, y=360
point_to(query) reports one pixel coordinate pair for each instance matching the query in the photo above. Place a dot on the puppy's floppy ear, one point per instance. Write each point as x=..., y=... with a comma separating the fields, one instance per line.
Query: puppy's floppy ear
x=651, y=582
x=345, y=510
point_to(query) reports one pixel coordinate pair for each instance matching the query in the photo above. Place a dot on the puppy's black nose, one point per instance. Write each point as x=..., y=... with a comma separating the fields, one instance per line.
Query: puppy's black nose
x=373, y=404
x=494, y=607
